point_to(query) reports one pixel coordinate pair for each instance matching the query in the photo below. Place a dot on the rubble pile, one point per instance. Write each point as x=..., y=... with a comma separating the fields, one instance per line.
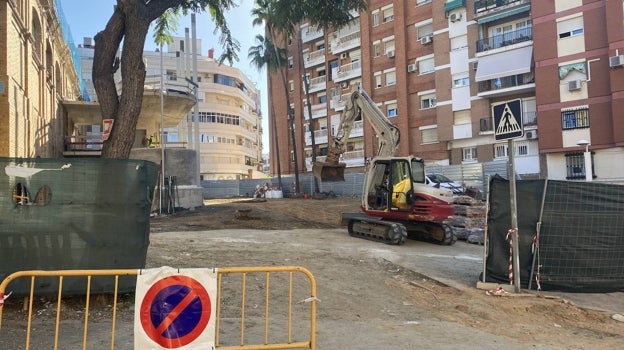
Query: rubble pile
x=469, y=220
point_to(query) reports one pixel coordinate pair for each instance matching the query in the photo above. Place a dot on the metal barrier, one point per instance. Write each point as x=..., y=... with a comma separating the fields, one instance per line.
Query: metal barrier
x=245, y=293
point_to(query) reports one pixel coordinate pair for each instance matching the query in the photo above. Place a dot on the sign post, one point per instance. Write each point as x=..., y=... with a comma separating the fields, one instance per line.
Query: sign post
x=507, y=126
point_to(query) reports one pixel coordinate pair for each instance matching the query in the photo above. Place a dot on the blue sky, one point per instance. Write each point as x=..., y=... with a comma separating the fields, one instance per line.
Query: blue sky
x=87, y=18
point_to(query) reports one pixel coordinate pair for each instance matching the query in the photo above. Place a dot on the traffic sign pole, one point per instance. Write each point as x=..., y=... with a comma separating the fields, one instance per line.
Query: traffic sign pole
x=514, y=215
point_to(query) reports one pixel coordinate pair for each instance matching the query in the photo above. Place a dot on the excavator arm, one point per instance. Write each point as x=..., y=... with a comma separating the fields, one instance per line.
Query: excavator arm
x=359, y=103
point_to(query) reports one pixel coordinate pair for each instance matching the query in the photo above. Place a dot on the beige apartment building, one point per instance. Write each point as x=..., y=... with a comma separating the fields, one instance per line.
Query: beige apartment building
x=229, y=110
x=36, y=75
x=442, y=70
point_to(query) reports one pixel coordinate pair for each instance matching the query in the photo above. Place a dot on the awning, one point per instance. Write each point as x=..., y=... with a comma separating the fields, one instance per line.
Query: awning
x=506, y=63
x=503, y=14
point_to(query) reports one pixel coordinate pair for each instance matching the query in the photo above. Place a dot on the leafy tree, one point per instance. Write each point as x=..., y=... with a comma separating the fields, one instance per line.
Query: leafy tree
x=130, y=24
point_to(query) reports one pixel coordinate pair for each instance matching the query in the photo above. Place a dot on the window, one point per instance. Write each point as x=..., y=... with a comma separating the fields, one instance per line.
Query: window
x=469, y=154
x=375, y=18
x=570, y=27
x=391, y=78
x=422, y=2
x=388, y=14
x=425, y=30
x=575, y=119
x=427, y=101
x=426, y=66
x=389, y=45
x=500, y=150
x=377, y=49
x=290, y=63
x=461, y=82
x=575, y=166
x=429, y=135
x=224, y=80
x=322, y=99
x=378, y=80
x=291, y=84
x=391, y=108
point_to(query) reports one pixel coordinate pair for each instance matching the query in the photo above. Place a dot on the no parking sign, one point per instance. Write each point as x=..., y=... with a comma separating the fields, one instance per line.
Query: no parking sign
x=174, y=309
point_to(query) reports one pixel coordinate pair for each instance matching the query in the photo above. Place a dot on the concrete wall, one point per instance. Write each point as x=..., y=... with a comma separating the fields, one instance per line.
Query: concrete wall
x=181, y=164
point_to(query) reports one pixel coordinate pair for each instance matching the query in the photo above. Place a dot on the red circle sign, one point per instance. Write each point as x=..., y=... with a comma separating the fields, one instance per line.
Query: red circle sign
x=175, y=311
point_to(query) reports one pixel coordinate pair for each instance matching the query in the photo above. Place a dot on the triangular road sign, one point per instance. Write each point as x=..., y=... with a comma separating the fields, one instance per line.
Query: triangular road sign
x=508, y=120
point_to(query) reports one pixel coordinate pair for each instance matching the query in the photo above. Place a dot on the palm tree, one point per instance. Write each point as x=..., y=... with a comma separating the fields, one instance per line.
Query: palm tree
x=265, y=54
x=281, y=19
x=263, y=14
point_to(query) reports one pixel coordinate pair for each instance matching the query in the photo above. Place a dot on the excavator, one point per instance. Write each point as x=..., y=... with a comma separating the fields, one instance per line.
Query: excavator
x=396, y=202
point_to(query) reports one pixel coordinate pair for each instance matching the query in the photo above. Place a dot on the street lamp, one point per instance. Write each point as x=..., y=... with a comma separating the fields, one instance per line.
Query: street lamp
x=589, y=176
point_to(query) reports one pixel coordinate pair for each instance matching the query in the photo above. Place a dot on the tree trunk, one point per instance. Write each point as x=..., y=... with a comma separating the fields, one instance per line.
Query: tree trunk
x=129, y=22
x=306, y=84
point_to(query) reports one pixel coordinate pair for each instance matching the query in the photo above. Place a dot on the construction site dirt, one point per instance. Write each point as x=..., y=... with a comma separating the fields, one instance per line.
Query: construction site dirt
x=371, y=295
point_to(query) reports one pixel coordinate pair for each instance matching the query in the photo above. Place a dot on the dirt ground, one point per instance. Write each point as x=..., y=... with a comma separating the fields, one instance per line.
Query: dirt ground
x=393, y=292
x=366, y=301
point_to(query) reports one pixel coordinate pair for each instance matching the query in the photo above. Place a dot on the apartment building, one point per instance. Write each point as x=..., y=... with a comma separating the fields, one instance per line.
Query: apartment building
x=579, y=60
x=36, y=75
x=439, y=69
x=230, y=118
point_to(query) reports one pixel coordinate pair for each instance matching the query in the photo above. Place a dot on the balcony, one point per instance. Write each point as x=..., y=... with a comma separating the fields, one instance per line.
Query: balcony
x=320, y=137
x=529, y=118
x=514, y=84
x=317, y=84
x=353, y=158
x=345, y=43
x=358, y=129
x=506, y=39
x=308, y=33
x=314, y=58
x=318, y=111
x=338, y=102
x=348, y=71
x=491, y=10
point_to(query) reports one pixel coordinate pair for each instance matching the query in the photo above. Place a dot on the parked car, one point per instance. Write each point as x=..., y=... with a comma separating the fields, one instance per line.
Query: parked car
x=439, y=180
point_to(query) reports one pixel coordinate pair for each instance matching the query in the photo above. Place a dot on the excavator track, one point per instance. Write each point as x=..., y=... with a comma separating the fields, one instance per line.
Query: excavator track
x=378, y=230
x=439, y=233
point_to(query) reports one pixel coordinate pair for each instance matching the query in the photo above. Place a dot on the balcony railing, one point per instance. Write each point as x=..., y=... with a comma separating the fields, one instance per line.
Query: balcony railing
x=317, y=84
x=315, y=58
x=318, y=110
x=310, y=33
x=507, y=82
x=345, y=43
x=348, y=71
x=506, y=39
x=320, y=137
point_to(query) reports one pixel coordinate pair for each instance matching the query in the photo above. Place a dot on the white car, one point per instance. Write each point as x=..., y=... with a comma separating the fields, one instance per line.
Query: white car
x=439, y=180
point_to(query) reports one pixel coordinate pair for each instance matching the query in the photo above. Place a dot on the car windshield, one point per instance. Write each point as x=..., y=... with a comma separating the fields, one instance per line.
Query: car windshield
x=438, y=178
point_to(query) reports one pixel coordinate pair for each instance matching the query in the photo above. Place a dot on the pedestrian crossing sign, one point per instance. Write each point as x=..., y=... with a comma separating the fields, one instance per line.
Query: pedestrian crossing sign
x=508, y=120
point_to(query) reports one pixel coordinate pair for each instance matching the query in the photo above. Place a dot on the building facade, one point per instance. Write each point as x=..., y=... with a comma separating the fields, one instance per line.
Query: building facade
x=439, y=69
x=36, y=75
x=228, y=104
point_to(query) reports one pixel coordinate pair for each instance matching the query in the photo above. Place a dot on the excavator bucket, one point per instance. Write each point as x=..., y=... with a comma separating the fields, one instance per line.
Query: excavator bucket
x=329, y=172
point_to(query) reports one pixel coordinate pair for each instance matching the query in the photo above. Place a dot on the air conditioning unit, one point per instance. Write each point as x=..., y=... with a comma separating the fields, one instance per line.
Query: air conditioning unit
x=390, y=53
x=344, y=84
x=574, y=85
x=454, y=17
x=426, y=40
x=531, y=135
x=412, y=67
x=616, y=61
x=344, y=55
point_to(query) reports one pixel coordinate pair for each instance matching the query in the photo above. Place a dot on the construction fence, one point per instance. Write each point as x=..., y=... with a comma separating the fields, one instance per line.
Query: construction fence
x=471, y=175
x=247, y=308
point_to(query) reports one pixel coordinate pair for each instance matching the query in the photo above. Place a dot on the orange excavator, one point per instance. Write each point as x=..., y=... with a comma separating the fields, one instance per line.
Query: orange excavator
x=396, y=202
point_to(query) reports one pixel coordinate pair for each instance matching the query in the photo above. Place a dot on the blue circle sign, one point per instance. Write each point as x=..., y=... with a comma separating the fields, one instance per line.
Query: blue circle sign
x=175, y=311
